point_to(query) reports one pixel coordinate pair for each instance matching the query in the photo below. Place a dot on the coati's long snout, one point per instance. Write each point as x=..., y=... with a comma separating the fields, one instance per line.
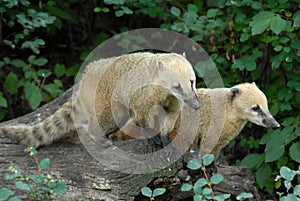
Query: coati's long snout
x=270, y=122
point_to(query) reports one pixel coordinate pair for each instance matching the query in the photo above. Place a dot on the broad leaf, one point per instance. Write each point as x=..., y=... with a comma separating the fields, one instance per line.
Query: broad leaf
x=295, y=151
x=260, y=22
x=194, y=164
x=186, y=187
x=5, y=193
x=45, y=163
x=208, y=159
x=158, y=191
x=146, y=191
x=287, y=173
x=11, y=83
x=252, y=161
x=216, y=178
x=263, y=174
x=277, y=24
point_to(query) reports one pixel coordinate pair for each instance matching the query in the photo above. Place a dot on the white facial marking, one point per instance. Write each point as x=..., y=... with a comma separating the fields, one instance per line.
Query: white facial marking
x=193, y=83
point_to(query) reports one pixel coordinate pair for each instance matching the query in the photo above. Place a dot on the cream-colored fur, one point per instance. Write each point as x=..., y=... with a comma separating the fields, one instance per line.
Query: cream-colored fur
x=118, y=92
x=223, y=114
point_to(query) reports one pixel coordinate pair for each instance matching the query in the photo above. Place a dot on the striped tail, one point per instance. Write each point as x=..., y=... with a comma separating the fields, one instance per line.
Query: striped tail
x=53, y=128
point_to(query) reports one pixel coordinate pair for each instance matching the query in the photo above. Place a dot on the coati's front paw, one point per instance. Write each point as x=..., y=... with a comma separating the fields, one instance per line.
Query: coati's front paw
x=165, y=139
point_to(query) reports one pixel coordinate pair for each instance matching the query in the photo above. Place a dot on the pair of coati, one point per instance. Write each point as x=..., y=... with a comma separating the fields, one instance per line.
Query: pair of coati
x=129, y=93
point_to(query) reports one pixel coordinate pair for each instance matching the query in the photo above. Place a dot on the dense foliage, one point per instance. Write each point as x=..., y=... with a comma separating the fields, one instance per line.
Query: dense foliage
x=42, y=43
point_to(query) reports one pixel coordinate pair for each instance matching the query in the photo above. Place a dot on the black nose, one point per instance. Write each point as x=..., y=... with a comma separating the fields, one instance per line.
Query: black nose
x=276, y=125
x=197, y=105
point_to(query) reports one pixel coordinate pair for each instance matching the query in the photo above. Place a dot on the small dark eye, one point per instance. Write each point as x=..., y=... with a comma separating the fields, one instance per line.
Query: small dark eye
x=192, y=82
x=255, y=108
x=177, y=87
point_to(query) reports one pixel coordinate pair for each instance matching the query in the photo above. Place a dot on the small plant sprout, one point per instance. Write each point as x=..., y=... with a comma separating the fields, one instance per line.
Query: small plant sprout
x=203, y=187
x=287, y=176
x=41, y=186
x=146, y=191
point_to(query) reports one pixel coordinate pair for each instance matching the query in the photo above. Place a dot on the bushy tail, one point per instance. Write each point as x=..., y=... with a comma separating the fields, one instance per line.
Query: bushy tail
x=51, y=129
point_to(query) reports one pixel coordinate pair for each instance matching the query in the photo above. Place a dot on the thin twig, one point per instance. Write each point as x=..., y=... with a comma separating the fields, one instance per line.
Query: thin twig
x=208, y=183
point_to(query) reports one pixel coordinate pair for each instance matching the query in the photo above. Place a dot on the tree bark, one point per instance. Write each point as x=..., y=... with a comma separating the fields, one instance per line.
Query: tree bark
x=87, y=178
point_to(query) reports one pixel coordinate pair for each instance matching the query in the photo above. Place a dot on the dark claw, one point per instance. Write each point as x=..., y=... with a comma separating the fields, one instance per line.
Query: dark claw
x=165, y=140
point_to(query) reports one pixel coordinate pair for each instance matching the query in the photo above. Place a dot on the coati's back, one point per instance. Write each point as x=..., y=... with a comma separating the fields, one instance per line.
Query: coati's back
x=90, y=95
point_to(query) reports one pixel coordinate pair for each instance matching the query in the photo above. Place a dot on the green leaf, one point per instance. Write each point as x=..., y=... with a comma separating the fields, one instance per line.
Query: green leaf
x=8, y=61
x=186, y=187
x=44, y=73
x=295, y=151
x=206, y=191
x=11, y=83
x=289, y=197
x=119, y=13
x=211, y=13
x=53, y=89
x=33, y=95
x=252, y=161
x=175, y=11
x=192, y=8
x=14, y=199
x=38, y=62
x=45, y=163
x=244, y=37
x=277, y=24
x=59, y=70
x=1, y=64
x=297, y=190
x=3, y=102
x=200, y=183
x=158, y=191
x=263, y=174
x=23, y=186
x=287, y=173
x=216, y=178
x=60, y=188
x=197, y=198
x=275, y=147
x=33, y=45
x=146, y=191
x=12, y=176
x=194, y=164
x=208, y=159
x=72, y=71
x=36, y=178
x=5, y=193
x=222, y=197
x=247, y=62
x=278, y=48
x=260, y=22
x=18, y=63
x=197, y=190
x=289, y=121
x=243, y=196
x=296, y=19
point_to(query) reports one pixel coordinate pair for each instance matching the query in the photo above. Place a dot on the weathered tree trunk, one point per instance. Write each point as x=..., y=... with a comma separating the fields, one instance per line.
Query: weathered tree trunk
x=86, y=178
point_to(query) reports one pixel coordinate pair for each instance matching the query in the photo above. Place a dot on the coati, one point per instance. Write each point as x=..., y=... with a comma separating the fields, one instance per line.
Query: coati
x=223, y=114
x=119, y=92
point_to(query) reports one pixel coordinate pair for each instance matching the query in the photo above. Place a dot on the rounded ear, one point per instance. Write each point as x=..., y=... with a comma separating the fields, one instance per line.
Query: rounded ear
x=254, y=83
x=183, y=54
x=235, y=91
